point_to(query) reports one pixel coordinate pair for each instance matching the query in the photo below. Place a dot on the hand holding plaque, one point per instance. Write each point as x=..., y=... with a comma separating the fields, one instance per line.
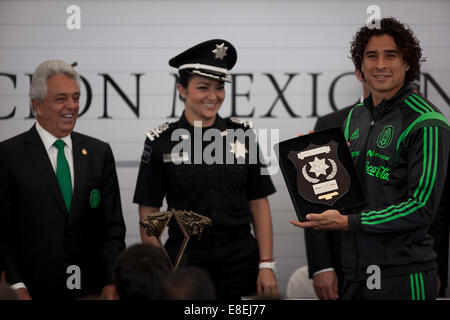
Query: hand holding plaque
x=319, y=173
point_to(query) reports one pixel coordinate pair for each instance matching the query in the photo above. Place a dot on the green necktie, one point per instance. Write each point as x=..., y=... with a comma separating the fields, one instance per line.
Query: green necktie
x=63, y=174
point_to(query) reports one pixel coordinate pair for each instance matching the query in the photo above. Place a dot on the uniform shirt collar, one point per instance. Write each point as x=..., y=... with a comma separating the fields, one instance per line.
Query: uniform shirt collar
x=219, y=123
x=48, y=139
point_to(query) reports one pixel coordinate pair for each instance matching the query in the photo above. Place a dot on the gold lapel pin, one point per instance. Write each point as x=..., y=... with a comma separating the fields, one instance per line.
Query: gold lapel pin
x=84, y=152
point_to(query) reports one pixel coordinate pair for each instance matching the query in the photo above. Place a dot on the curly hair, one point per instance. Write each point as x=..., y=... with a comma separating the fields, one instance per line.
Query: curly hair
x=403, y=36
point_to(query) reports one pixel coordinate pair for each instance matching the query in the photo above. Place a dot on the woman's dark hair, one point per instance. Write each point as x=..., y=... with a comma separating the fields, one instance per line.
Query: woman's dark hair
x=184, y=76
x=407, y=44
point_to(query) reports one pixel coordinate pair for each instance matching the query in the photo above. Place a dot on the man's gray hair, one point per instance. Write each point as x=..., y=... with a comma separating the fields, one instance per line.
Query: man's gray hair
x=38, y=87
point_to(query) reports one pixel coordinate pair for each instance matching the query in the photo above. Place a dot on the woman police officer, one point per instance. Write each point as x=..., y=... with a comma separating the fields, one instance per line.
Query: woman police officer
x=232, y=194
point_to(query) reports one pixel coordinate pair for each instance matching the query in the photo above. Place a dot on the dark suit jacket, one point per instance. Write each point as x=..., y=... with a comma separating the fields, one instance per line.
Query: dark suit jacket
x=323, y=248
x=439, y=230
x=40, y=239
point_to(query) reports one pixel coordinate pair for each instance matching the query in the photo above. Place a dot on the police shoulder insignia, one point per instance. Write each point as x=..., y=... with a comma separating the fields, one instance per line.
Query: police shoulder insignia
x=146, y=153
x=156, y=133
x=242, y=123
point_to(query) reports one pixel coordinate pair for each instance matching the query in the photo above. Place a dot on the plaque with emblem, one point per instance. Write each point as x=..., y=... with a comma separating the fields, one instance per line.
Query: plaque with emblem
x=319, y=173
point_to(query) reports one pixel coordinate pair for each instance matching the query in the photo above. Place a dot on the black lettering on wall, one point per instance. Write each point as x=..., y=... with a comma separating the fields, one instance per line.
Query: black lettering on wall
x=235, y=94
x=13, y=79
x=134, y=107
x=314, y=93
x=280, y=95
x=30, y=105
x=88, y=96
x=331, y=90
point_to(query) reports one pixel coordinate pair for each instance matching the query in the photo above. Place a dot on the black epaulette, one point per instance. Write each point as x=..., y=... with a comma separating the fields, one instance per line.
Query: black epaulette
x=242, y=123
x=154, y=134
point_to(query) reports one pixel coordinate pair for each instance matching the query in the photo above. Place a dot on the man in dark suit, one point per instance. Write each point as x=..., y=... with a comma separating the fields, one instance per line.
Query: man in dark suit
x=61, y=222
x=439, y=230
x=323, y=248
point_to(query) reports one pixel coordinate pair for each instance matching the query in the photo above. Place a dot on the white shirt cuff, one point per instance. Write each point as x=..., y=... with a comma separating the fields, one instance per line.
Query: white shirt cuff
x=18, y=285
x=323, y=270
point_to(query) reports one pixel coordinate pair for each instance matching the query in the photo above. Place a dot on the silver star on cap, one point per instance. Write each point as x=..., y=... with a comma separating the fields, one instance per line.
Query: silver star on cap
x=220, y=51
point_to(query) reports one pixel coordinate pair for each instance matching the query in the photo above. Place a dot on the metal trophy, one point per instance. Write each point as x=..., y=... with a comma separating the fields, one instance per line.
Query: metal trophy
x=190, y=224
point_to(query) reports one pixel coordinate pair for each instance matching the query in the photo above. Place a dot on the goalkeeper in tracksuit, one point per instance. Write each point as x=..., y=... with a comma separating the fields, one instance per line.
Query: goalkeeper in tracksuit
x=400, y=145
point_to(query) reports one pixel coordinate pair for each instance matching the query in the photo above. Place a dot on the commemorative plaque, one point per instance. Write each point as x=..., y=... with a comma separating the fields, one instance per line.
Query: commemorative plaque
x=319, y=173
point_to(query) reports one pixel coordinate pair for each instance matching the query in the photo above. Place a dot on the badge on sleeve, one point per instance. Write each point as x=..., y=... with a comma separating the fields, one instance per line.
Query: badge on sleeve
x=94, y=199
x=146, y=154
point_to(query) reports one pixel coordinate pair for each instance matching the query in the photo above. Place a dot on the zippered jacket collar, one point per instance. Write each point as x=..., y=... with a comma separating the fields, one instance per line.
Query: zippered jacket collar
x=385, y=104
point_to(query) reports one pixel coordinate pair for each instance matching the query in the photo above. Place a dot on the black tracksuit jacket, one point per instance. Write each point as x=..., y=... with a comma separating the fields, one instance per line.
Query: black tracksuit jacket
x=400, y=149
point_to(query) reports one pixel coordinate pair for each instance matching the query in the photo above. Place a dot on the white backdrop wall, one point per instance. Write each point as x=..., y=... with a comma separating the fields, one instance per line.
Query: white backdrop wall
x=128, y=43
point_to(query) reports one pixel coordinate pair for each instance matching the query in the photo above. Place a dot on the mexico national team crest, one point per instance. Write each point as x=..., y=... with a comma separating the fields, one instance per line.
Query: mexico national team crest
x=321, y=177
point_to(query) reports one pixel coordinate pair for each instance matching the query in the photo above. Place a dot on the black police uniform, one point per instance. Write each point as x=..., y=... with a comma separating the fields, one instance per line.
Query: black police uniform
x=220, y=191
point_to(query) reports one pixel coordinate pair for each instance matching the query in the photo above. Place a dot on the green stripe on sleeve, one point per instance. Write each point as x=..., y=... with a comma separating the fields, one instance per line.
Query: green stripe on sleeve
x=423, y=117
x=347, y=122
x=413, y=296
x=424, y=164
x=417, y=103
x=422, y=101
x=430, y=154
x=429, y=170
x=422, y=287
x=433, y=179
x=416, y=278
x=410, y=202
x=413, y=107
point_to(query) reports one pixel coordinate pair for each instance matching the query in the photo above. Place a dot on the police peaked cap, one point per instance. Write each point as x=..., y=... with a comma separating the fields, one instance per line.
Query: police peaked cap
x=212, y=59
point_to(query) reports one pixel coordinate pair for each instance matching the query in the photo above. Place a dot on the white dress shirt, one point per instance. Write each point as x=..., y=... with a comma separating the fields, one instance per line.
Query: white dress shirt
x=48, y=139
